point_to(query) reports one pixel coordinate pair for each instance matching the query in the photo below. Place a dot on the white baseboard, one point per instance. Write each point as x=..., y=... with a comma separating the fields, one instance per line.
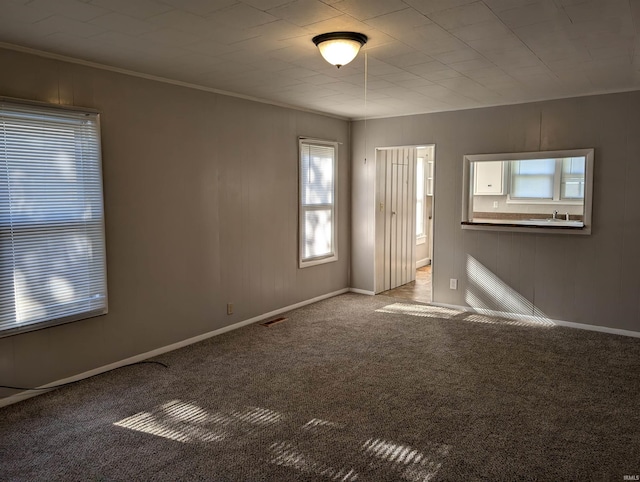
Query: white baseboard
x=423, y=262
x=362, y=292
x=159, y=351
x=550, y=321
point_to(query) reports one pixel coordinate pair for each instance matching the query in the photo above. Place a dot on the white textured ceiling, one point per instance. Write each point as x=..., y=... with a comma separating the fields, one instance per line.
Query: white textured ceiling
x=423, y=55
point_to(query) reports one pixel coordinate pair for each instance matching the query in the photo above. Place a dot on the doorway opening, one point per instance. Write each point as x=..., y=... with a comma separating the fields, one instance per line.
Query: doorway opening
x=404, y=221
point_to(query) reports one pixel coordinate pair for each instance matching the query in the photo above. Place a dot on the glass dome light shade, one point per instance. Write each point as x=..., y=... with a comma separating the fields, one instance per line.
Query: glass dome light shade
x=339, y=48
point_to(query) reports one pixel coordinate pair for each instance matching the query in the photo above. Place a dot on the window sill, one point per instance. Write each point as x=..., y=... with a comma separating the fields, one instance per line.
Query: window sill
x=316, y=261
x=550, y=202
x=51, y=323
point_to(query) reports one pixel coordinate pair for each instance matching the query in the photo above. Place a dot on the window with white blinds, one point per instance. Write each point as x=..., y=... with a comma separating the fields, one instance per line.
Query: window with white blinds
x=52, y=249
x=555, y=180
x=318, y=202
x=532, y=179
x=572, y=178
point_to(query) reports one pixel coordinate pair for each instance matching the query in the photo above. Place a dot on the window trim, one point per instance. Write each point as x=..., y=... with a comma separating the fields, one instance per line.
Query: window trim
x=46, y=105
x=308, y=262
x=11, y=101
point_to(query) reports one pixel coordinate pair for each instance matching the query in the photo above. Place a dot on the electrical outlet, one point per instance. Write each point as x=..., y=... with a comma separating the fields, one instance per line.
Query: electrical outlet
x=229, y=308
x=495, y=204
x=453, y=284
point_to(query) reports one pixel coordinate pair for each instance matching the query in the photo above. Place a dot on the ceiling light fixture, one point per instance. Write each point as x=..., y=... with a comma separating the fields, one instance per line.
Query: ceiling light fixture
x=339, y=48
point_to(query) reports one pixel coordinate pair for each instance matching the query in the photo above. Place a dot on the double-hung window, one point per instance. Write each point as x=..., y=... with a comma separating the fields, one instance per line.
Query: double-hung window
x=318, y=208
x=532, y=179
x=52, y=248
x=572, y=178
x=560, y=180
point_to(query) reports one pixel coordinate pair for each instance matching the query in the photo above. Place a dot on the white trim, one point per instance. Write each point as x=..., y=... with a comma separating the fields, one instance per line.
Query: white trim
x=156, y=78
x=302, y=209
x=468, y=222
x=547, y=201
x=48, y=105
x=423, y=262
x=159, y=351
x=362, y=292
x=517, y=316
x=403, y=146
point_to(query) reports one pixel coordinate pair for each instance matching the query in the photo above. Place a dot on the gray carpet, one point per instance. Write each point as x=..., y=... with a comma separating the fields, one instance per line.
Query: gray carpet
x=341, y=391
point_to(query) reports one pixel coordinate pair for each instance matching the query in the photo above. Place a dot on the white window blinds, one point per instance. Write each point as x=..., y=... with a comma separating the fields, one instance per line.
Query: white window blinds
x=52, y=250
x=533, y=179
x=317, y=202
x=572, y=182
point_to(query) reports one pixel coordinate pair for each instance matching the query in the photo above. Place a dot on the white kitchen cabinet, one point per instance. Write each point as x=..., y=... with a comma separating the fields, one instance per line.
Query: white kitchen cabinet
x=488, y=178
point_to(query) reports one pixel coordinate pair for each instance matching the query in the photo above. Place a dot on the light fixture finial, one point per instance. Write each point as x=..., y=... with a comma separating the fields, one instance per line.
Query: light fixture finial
x=339, y=48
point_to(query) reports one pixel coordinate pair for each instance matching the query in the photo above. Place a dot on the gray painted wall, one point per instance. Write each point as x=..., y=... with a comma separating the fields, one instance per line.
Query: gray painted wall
x=201, y=209
x=583, y=279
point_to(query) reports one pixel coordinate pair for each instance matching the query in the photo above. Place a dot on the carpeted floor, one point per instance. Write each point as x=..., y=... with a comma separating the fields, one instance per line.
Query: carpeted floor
x=351, y=388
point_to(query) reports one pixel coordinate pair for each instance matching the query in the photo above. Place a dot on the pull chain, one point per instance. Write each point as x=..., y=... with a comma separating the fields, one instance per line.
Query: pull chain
x=366, y=75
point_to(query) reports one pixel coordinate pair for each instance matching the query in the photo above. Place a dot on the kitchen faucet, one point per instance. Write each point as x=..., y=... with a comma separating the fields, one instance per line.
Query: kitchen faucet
x=555, y=215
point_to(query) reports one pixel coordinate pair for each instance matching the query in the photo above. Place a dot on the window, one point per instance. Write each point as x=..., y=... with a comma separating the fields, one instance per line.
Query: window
x=52, y=250
x=317, y=202
x=572, y=178
x=553, y=180
x=420, y=232
x=532, y=179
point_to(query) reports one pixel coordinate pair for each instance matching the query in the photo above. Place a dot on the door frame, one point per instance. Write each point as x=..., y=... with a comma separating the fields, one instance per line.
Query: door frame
x=377, y=237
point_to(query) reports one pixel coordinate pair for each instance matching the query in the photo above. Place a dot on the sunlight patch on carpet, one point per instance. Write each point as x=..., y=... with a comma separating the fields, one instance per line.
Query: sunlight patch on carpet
x=414, y=465
x=186, y=422
x=493, y=320
x=257, y=416
x=439, y=312
x=315, y=447
x=357, y=458
x=420, y=310
x=316, y=425
x=286, y=454
x=175, y=420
